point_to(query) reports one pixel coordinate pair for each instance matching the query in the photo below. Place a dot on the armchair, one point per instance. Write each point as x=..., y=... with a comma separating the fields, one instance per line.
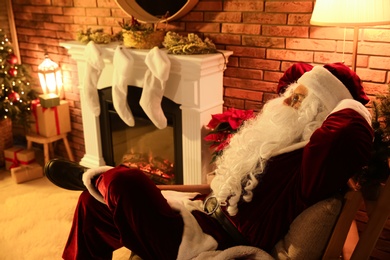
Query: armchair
x=327, y=238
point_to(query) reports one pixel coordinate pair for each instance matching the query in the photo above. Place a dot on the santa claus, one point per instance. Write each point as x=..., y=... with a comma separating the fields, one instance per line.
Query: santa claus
x=302, y=148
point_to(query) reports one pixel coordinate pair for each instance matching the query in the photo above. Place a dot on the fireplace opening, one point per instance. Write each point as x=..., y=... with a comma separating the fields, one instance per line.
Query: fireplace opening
x=157, y=152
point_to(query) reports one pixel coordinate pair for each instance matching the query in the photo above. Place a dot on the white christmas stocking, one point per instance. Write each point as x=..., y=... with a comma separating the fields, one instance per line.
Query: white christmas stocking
x=154, y=85
x=94, y=67
x=123, y=66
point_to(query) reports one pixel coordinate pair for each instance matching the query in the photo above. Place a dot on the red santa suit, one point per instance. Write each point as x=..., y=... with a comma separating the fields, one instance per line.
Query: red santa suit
x=135, y=213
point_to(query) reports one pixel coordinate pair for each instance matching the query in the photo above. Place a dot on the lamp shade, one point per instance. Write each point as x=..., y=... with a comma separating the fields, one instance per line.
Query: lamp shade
x=351, y=12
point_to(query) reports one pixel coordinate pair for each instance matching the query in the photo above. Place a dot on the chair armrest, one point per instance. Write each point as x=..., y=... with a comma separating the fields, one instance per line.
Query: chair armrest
x=201, y=188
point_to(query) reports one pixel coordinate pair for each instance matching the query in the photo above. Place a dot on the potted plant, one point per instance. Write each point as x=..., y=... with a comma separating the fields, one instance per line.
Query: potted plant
x=223, y=126
x=377, y=171
x=141, y=35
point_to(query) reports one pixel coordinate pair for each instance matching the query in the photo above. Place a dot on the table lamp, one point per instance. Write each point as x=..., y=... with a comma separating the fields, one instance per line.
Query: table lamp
x=351, y=13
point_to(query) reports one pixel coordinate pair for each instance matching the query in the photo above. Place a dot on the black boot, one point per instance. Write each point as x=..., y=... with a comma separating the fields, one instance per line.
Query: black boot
x=65, y=174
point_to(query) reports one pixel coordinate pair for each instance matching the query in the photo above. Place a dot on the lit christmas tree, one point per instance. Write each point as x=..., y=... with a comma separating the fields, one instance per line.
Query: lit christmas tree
x=15, y=90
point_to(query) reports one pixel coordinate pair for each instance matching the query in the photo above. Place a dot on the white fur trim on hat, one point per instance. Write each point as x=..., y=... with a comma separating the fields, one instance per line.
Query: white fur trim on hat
x=329, y=89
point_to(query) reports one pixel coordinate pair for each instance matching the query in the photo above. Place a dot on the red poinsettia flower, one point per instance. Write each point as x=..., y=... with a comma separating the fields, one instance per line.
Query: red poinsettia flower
x=223, y=126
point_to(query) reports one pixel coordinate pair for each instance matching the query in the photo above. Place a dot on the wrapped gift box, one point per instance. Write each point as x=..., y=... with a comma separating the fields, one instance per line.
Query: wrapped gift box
x=16, y=156
x=49, y=100
x=27, y=172
x=51, y=121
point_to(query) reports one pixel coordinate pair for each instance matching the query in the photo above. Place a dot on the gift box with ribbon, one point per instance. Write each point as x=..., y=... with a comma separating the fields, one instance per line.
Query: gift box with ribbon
x=51, y=121
x=25, y=173
x=17, y=156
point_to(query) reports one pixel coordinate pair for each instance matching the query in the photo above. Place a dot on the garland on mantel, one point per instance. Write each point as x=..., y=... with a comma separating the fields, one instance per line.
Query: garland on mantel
x=192, y=44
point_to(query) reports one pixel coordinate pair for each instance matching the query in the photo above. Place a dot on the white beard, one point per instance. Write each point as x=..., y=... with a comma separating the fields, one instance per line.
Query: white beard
x=276, y=127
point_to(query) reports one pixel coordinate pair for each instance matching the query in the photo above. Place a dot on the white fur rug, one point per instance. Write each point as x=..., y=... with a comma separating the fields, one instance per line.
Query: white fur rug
x=35, y=219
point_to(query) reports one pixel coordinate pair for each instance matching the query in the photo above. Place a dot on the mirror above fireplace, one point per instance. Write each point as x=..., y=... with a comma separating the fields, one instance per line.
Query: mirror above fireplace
x=152, y=11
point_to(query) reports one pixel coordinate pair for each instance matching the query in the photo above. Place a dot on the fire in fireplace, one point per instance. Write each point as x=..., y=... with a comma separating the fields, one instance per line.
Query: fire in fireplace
x=157, y=152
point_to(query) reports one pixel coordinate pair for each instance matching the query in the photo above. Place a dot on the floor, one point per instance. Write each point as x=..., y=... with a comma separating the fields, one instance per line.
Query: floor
x=35, y=218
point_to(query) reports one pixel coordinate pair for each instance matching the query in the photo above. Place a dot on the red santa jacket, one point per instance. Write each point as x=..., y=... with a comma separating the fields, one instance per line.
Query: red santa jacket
x=295, y=180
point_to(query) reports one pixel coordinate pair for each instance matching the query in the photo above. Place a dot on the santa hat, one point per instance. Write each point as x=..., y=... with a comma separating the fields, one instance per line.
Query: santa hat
x=348, y=77
x=292, y=74
x=323, y=84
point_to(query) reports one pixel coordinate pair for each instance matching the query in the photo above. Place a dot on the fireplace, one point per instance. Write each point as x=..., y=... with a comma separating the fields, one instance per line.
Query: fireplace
x=195, y=83
x=158, y=152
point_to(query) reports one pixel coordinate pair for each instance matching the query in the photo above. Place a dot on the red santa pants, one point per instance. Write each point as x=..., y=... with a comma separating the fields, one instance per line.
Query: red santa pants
x=135, y=216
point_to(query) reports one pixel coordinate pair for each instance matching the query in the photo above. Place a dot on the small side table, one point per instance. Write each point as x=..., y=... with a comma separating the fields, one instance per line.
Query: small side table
x=47, y=144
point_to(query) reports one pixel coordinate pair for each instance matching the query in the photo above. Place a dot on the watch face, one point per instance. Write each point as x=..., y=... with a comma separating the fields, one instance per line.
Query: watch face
x=153, y=11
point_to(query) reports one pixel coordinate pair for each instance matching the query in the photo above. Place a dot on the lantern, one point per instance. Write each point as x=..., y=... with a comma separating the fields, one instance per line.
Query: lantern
x=51, y=82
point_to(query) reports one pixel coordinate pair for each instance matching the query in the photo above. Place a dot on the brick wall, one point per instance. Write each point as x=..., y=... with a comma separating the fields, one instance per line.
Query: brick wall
x=265, y=36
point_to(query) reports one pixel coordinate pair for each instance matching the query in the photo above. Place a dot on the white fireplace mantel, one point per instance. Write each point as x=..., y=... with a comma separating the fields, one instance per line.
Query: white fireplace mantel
x=195, y=83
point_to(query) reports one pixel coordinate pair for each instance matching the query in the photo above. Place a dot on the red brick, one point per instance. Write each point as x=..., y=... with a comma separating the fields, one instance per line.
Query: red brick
x=328, y=57
x=253, y=105
x=42, y=10
x=107, y=3
x=40, y=19
x=376, y=88
x=264, y=18
x=66, y=36
x=299, y=19
x=234, y=5
x=269, y=96
x=261, y=41
x=373, y=48
x=244, y=51
x=310, y=44
x=303, y=56
x=208, y=6
x=230, y=17
x=23, y=16
x=203, y=27
x=289, y=6
x=378, y=35
x=286, y=65
x=333, y=33
x=378, y=76
x=62, y=2
x=249, y=84
x=241, y=28
x=53, y=26
x=225, y=38
x=85, y=3
x=108, y=22
x=39, y=2
x=244, y=73
x=193, y=16
x=379, y=63
x=243, y=94
x=234, y=102
x=286, y=31
x=74, y=11
x=272, y=76
x=233, y=61
x=85, y=20
x=63, y=19
x=259, y=64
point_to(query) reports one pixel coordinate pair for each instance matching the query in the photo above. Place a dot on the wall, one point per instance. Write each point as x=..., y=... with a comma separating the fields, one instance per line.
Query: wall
x=266, y=37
